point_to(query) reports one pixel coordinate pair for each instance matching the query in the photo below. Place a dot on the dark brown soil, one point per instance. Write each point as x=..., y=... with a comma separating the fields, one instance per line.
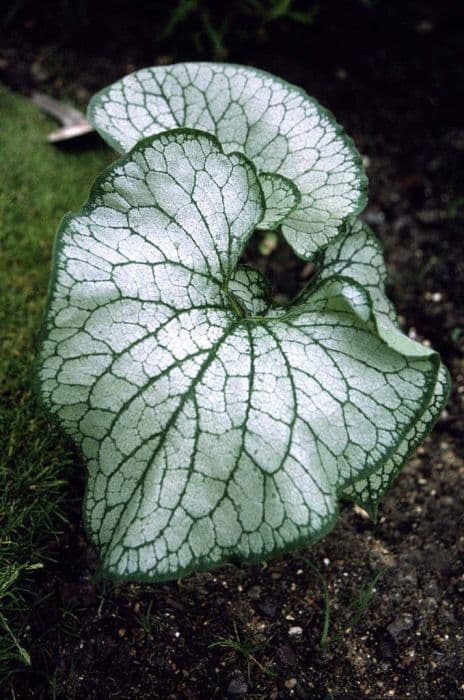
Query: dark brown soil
x=394, y=79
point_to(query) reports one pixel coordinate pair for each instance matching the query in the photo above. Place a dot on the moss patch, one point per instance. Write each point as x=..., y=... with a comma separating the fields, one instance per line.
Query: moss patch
x=39, y=183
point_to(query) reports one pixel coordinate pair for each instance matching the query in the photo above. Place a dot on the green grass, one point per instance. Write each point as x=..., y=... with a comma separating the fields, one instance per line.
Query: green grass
x=246, y=648
x=38, y=184
x=357, y=607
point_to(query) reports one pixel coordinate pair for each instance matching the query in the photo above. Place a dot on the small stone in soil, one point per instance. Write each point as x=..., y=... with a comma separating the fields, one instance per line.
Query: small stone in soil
x=286, y=656
x=266, y=607
x=237, y=685
x=386, y=646
x=399, y=625
x=295, y=631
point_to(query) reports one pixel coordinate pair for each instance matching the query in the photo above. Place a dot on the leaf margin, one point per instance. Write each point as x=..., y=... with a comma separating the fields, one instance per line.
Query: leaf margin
x=339, y=132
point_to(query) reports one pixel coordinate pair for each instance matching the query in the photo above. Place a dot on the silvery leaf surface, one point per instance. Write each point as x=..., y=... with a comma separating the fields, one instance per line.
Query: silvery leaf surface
x=358, y=255
x=215, y=425
x=274, y=123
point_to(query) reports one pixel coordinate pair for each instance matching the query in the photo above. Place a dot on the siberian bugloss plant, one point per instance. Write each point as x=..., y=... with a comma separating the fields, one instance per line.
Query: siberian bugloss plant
x=215, y=424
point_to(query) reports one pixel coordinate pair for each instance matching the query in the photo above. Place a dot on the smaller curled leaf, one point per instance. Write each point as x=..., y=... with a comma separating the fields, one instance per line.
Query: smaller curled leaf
x=281, y=197
x=358, y=255
x=369, y=492
x=251, y=289
x=275, y=124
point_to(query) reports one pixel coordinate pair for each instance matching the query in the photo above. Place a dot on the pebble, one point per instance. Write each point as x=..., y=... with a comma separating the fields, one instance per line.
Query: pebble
x=295, y=631
x=374, y=216
x=290, y=683
x=286, y=656
x=399, y=625
x=361, y=512
x=307, y=270
x=446, y=616
x=237, y=685
x=267, y=607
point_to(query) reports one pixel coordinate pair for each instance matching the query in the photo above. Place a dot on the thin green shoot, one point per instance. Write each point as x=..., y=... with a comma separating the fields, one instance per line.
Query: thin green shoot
x=146, y=621
x=246, y=648
x=358, y=605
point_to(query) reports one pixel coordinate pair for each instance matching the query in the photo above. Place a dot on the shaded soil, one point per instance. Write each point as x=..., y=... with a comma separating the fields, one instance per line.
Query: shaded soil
x=393, y=80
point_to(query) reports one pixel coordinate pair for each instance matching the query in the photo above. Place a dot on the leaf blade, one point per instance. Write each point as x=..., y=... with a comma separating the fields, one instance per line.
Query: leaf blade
x=276, y=124
x=209, y=435
x=357, y=254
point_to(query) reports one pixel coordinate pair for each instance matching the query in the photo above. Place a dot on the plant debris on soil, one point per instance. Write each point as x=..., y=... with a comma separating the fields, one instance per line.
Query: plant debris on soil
x=394, y=82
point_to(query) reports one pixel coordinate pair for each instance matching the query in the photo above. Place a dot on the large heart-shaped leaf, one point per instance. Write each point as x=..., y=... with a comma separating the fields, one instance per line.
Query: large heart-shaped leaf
x=277, y=125
x=215, y=425
x=358, y=255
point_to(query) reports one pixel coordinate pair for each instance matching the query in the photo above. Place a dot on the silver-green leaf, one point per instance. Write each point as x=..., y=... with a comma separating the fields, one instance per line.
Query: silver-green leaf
x=276, y=124
x=215, y=425
x=281, y=198
x=358, y=255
